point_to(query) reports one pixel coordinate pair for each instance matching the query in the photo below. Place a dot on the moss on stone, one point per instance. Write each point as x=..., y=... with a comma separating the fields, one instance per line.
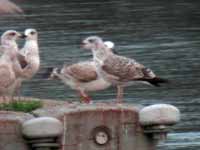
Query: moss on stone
x=23, y=106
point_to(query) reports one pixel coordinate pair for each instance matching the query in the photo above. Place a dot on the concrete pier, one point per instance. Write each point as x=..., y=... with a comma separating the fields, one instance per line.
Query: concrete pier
x=107, y=126
x=10, y=130
x=101, y=125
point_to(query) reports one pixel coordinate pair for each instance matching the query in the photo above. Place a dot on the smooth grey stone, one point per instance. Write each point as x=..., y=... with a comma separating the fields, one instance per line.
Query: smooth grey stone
x=159, y=114
x=42, y=127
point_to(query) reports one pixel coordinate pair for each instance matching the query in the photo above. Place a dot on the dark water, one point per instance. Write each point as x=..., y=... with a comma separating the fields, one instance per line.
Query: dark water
x=163, y=35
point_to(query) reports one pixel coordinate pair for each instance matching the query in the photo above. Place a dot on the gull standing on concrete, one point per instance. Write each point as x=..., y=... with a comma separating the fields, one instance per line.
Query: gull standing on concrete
x=119, y=70
x=82, y=77
x=8, y=59
x=30, y=56
x=31, y=53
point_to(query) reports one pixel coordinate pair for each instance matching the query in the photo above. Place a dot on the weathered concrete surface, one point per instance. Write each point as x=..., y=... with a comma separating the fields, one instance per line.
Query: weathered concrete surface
x=42, y=127
x=10, y=130
x=86, y=126
x=81, y=120
x=159, y=114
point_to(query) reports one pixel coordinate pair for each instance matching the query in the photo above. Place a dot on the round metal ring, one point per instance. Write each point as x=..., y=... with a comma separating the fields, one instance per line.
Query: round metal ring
x=101, y=135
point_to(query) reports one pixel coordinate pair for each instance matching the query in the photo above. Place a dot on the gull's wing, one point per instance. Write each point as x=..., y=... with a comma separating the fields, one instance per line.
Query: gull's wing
x=6, y=76
x=83, y=72
x=125, y=69
x=22, y=60
x=2, y=50
x=22, y=51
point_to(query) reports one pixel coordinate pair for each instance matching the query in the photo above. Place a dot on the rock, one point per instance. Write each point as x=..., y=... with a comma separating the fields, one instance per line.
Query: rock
x=159, y=114
x=42, y=127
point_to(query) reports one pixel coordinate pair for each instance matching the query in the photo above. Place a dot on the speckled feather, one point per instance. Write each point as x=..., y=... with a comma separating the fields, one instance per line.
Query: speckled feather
x=125, y=69
x=83, y=72
x=7, y=75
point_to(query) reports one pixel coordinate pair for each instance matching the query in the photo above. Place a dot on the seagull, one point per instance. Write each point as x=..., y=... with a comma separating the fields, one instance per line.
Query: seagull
x=29, y=58
x=120, y=71
x=82, y=77
x=31, y=53
x=8, y=58
x=8, y=40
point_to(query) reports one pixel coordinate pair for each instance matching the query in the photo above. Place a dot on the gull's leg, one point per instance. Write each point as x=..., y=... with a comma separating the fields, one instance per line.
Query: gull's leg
x=84, y=97
x=4, y=99
x=18, y=93
x=120, y=93
x=12, y=98
x=1, y=101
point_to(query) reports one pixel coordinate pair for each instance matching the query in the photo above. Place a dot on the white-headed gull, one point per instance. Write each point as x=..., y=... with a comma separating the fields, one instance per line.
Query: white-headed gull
x=119, y=70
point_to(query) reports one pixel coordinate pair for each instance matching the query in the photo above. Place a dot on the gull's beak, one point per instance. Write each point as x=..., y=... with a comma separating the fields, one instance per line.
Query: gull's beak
x=82, y=44
x=23, y=36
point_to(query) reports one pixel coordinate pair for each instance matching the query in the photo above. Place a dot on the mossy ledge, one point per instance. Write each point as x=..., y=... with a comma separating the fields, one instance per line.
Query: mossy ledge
x=22, y=106
x=29, y=104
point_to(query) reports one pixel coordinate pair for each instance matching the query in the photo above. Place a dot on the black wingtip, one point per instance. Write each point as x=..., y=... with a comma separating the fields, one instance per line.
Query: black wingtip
x=46, y=73
x=156, y=81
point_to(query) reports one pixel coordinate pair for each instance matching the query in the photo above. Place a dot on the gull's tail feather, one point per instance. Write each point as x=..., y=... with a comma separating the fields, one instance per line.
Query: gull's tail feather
x=156, y=81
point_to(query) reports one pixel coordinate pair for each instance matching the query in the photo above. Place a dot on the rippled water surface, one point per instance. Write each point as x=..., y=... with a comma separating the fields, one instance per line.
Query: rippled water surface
x=163, y=35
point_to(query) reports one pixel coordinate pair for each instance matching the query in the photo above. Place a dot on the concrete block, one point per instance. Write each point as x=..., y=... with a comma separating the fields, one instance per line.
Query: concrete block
x=10, y=130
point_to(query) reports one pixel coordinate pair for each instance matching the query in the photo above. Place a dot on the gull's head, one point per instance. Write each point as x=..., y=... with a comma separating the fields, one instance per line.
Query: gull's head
x=10, y=35
x=30, y=34
x=92, y=43
x=109, y=44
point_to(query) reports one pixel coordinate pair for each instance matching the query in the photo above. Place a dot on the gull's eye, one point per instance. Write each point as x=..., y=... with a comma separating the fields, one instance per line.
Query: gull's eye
x=12, y=34
x=32, y=33
x=91, y=40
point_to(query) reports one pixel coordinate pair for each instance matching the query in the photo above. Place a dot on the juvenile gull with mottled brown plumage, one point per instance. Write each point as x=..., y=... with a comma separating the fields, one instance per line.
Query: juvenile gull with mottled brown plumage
x=82, y=77
x=119, y=70
x=8, y=62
